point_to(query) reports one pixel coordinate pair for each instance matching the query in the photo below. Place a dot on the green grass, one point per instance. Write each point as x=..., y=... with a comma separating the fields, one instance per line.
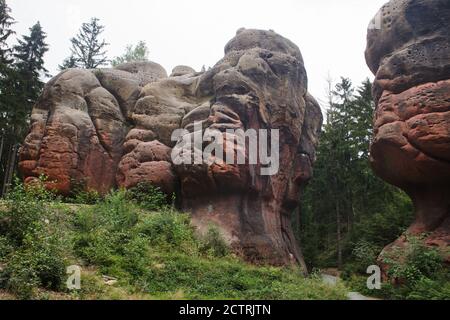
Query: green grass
x=152, y=254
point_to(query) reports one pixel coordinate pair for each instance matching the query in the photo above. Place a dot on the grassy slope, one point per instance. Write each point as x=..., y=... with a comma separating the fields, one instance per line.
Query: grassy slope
x=150, y=255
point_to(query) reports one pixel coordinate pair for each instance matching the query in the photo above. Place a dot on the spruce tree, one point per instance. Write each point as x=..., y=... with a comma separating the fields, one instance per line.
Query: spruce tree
x=88, y=50
x=29, y=61
x=6, y=21
x=22, y=88
x=8, y=95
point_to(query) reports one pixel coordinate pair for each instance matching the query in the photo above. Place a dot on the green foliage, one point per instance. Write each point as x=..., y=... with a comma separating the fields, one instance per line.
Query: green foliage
x=87, y=197
x=21, y=69
x=386, y=223
x=29, y=56
x=113, y=236
x=29, y=66
x=364, y=254
x=137, y=53
x=415, y=272
x=425, y=288
x=428, y=289
x=33, y=255
x=148, y=196
x=39, y=263
x=413, y=263
x=169, y=229
x=213, y=244
x=80, y=194
x=200, y=278
x=103, y=230
x=26, y=209
x=160, y=255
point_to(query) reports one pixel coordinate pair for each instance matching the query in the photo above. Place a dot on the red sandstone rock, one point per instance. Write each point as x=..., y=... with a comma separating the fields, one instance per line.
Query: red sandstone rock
x=113, y=127
x=410, y=56
x=77, y=132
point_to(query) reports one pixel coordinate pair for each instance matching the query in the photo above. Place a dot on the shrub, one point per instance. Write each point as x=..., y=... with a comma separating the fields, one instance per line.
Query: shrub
x=364, y=254
x=33, y=252
x=19, y=276
x=414, y=262
x=213, y=243
x=87, y=197
x=114, y=213
x=425, y=288
x=148, y=196
x=168, y=228
x=81, y=194
x=135, y=257
x=103, y=229
x=5, y=247
x=26, y=210
x=418, y=271
x=35, y=265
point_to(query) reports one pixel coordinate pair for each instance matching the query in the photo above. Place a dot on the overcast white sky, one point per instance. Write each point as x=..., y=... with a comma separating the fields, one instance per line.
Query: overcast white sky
x=330, y=33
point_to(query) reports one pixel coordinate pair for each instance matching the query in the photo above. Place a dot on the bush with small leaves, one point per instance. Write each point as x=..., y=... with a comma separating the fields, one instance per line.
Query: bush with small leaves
x=33, y=255
x=168, y=228
x=364, y=254
x=213, y=243
x=81, y=194
x=148, y=196
x=414, y=262
x=102, y=230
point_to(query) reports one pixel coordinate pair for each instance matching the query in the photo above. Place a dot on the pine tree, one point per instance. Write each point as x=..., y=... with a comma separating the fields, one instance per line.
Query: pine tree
x=6, y=21
x=136, y=53
x=29, y=61
x=22, y=88
x=8, y=85
x=88, y=51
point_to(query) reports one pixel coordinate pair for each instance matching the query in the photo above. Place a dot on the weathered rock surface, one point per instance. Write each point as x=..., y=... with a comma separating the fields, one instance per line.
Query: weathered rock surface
x=410, y=56
x=259, y=84
x=114, y=127
x=79, y=125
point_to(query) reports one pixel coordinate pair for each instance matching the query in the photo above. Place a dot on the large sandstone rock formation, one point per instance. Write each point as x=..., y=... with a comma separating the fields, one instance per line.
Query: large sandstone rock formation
x=114, y=127
x=410, y=55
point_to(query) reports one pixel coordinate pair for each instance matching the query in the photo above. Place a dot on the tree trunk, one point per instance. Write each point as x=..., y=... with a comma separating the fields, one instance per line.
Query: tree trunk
x=9, y=172
x=5, y=173
x=2, y=143
x=339, y=236
x=1, y=148
x=2, y=166
x=351, y=217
